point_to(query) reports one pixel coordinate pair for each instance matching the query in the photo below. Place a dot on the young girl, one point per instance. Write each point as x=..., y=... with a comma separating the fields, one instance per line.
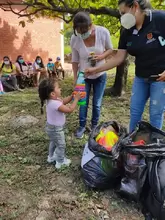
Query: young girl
x=56, y=108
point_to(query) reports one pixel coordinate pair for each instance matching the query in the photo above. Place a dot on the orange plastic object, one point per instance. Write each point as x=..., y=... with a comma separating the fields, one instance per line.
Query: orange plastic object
x=107, y=140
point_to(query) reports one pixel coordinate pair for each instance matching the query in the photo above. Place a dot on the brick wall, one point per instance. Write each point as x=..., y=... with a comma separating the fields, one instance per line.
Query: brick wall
x=42, y=37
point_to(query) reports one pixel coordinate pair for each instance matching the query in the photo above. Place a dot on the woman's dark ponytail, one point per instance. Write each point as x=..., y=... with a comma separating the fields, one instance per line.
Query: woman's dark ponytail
x=42, y=107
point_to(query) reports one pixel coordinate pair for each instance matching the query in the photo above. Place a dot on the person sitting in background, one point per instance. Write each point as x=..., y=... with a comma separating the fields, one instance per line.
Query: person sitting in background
x=30, y=76
x=22, y=71
x=50, y=68
x=58, y=67
x=30, y=66
x=39, y=69
x=8, y=75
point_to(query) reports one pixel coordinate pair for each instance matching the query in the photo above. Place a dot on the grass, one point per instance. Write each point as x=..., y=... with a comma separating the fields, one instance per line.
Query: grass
x=30, y=186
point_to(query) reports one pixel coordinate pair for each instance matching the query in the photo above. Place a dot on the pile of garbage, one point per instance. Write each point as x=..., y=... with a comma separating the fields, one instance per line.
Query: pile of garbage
x=133, y=164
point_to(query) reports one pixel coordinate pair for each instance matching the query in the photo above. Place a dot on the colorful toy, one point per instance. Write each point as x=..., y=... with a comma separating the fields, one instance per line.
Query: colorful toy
x=140, y=142
x=80, y=87
x=107, y=140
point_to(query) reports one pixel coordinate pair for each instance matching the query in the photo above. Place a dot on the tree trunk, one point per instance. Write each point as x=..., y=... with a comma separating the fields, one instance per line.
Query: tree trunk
x=120, y=79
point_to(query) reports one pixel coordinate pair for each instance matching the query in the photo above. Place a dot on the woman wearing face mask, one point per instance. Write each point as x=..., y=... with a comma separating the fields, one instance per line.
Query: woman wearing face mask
x=22, y=71
x=8, y=75
x=90, y=45
x=144, y=38
x=39, y=69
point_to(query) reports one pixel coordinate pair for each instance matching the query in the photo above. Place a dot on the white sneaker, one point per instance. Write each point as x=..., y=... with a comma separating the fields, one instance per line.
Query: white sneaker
x=51, y=159
x=66, y=162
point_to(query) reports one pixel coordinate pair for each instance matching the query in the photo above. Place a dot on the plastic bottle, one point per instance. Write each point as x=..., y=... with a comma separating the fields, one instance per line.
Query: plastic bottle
x=80, y=87
x=91, y=59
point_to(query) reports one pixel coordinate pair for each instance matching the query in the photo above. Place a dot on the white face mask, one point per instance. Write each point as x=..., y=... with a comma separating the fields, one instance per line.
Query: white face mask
x=39, y=61
x=128, y=20
x=6, y=62
x=85, y=35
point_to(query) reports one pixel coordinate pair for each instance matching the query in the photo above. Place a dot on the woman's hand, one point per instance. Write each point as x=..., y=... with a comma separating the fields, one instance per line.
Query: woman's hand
x=99, y=57
x=90, y=71
x=162, y=77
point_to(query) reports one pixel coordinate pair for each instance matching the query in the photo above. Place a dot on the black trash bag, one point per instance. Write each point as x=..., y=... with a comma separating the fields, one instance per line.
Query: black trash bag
x=98, y=149
x=153, y=137
x=134, y=157
x=99, y=170
x=153, y=200
x=95, y=171
x=134, y=176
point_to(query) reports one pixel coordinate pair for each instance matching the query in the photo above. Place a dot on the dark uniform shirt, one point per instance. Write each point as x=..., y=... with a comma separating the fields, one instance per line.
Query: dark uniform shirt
x=147, y=44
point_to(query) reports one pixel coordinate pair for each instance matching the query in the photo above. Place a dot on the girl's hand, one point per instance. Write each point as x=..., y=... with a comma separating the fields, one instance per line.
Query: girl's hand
x=162, y=77
x=77, y=96
x=82, y=94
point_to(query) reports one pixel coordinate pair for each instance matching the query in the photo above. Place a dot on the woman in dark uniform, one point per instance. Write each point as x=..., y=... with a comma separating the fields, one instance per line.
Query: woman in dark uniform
x=143, y=37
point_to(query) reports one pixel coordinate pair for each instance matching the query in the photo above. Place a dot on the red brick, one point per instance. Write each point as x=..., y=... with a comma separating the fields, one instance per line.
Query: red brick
x=42, y=37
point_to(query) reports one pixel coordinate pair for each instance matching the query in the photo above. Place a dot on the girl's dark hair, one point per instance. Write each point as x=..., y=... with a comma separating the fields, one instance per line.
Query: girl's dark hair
x=144, y=4
x=20, y=64
x=41, y=65
x=6, y=57
x=44, y=90
x=81, y=20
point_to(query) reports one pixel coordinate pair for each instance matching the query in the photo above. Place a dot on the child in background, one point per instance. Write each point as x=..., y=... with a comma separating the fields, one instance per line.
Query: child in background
x=56, y=108
x=30, y=67
x=58, y=67
x=50, y=68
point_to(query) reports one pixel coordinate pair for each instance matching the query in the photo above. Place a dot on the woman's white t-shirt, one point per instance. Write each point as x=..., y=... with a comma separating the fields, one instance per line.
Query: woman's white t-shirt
x=80, y=52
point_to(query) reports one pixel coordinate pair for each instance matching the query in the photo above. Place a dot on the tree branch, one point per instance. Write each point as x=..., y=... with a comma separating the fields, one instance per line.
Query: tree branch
x=24, y=9
x=62, y=10
x=9, y=8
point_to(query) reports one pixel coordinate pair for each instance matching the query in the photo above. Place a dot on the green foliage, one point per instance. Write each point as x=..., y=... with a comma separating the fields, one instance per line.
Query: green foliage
x=67, y=49
x=111, y=23
x=67, y=8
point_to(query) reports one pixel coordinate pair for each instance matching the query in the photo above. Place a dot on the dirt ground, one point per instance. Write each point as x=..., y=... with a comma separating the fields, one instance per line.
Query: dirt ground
x=31, y=189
